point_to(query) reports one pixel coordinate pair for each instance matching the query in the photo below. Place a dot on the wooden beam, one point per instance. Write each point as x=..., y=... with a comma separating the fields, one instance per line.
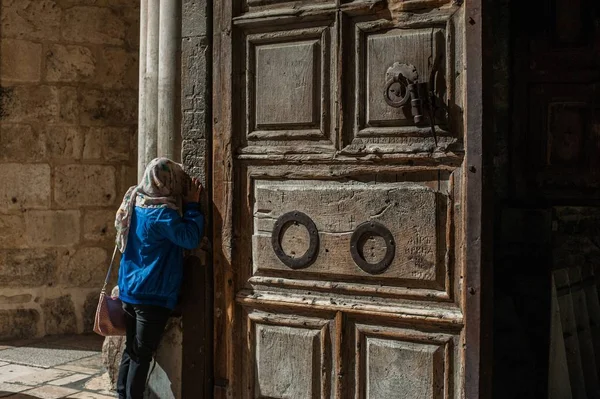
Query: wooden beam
x=478, y=210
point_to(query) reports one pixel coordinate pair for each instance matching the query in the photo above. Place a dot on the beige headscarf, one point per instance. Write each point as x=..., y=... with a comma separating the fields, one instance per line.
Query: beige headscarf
x=162, y=186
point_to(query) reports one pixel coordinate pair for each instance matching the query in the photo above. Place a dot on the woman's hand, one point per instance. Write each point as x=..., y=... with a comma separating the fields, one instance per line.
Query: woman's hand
x=194, y=191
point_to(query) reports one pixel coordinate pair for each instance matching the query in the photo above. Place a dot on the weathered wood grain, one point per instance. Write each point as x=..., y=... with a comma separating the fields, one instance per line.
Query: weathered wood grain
x=292, y=81
x=391, y=360
x=292, y=354
x=414, y=214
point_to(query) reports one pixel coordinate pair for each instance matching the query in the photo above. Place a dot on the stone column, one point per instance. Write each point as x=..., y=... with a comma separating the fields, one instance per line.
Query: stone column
x=168, y=71
x=142, y=129
x=160, y=38
x=148, y=101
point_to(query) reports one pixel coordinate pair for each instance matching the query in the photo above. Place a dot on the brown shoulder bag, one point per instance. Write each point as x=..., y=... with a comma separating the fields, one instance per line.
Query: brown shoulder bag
x=110, y=316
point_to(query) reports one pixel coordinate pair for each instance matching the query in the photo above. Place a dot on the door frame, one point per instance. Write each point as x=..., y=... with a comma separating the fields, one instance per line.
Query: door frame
x=477, y=211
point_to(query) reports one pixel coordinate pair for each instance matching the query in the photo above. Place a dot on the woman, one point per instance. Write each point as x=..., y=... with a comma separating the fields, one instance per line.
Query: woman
x=152, y=229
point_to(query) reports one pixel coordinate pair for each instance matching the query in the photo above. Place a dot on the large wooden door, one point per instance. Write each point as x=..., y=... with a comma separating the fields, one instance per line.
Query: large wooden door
x=347, y=232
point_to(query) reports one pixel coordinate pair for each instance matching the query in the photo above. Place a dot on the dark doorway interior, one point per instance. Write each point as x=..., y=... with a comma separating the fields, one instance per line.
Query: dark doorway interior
x=547, y=182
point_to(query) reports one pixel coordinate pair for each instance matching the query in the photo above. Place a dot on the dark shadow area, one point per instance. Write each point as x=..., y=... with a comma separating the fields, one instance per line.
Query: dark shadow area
x=547, y=199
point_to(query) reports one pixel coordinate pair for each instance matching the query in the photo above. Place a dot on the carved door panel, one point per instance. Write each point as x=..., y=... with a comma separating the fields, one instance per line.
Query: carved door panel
x=340, y=240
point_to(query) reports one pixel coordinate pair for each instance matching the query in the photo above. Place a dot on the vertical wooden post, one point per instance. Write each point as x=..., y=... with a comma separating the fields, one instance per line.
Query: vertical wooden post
x=478, y=294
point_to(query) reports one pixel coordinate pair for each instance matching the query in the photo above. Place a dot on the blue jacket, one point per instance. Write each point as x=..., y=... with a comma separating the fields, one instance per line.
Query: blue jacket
x=152, y=265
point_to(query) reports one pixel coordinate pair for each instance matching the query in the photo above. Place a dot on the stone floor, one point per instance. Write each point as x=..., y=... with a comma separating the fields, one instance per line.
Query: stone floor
x=54, y=367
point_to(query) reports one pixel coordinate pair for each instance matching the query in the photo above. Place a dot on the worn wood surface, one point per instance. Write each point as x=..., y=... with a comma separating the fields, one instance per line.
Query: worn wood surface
x=418, y=364
x=224, y=364
x=415, y=215
x=292, y=355
x=478, y=215
x=300, y=124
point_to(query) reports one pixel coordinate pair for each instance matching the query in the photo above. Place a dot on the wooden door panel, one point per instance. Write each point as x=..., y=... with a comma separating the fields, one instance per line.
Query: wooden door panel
x=256, y=6
x=415, y=215
x=394, y=361
x=288, y=94
x=377, y=48
x=372, y=46
x=288, y=356
x=310, y=155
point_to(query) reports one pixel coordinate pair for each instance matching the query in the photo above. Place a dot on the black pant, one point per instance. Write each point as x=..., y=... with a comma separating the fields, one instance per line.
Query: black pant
x=145, y=325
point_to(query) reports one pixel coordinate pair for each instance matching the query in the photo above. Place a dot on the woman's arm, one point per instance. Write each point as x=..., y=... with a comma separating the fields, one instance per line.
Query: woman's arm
x=186, y=231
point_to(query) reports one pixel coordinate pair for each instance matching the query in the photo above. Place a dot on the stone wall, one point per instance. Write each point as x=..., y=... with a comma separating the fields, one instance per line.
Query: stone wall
x=68, y=116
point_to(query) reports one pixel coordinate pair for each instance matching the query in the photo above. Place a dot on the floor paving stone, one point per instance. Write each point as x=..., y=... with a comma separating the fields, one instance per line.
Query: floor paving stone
x=7, y=389
x=50, y=392
x=43, y=357
x=41, y=377
x=70, y=379
x=71, y=367
x=78, y=369
x=13, y=371
x=93, y=362
x=90, y=395
x=98, y=383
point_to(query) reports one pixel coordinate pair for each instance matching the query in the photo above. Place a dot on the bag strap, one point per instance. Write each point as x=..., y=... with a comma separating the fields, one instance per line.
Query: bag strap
x=112, y=261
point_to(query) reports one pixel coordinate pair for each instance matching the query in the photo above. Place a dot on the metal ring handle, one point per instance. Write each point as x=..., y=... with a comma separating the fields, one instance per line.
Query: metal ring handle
x=377, y=229
x=313, y=248
x=395, y=103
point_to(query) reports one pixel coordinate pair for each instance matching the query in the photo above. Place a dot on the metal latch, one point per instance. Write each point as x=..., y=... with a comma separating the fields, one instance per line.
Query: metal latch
x=402, y=85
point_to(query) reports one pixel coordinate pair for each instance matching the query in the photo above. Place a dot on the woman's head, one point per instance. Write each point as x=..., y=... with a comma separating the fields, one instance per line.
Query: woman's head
x=164, y=178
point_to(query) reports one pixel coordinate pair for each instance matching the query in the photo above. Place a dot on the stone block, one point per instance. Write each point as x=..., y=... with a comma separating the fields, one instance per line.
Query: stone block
x=116, y=4
x=69, y=63
x=31, y=19
x=12, y=231
x=194, y=18
x=21, y=143
x=69, y=105
x=118, y=68
x=194, y=78
x=21, y=61
x=18, y=323
x=127, y=178
x=59, y=316
x=132, y=21
x=84, y=185
x=95, y=25
x=165, y=382
x=14, y=194
x=38, y=104
x=99, y=226
x=64, y=142
x=112, y=350
x=52, y=228
x=86, y=269
x=108, y=107
x=89, y=311
x=194, y=125
x=198, y=172
x=15, y=299
x=193, y=153
x=27, y=267
x=30, y=104
x=109, y=144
